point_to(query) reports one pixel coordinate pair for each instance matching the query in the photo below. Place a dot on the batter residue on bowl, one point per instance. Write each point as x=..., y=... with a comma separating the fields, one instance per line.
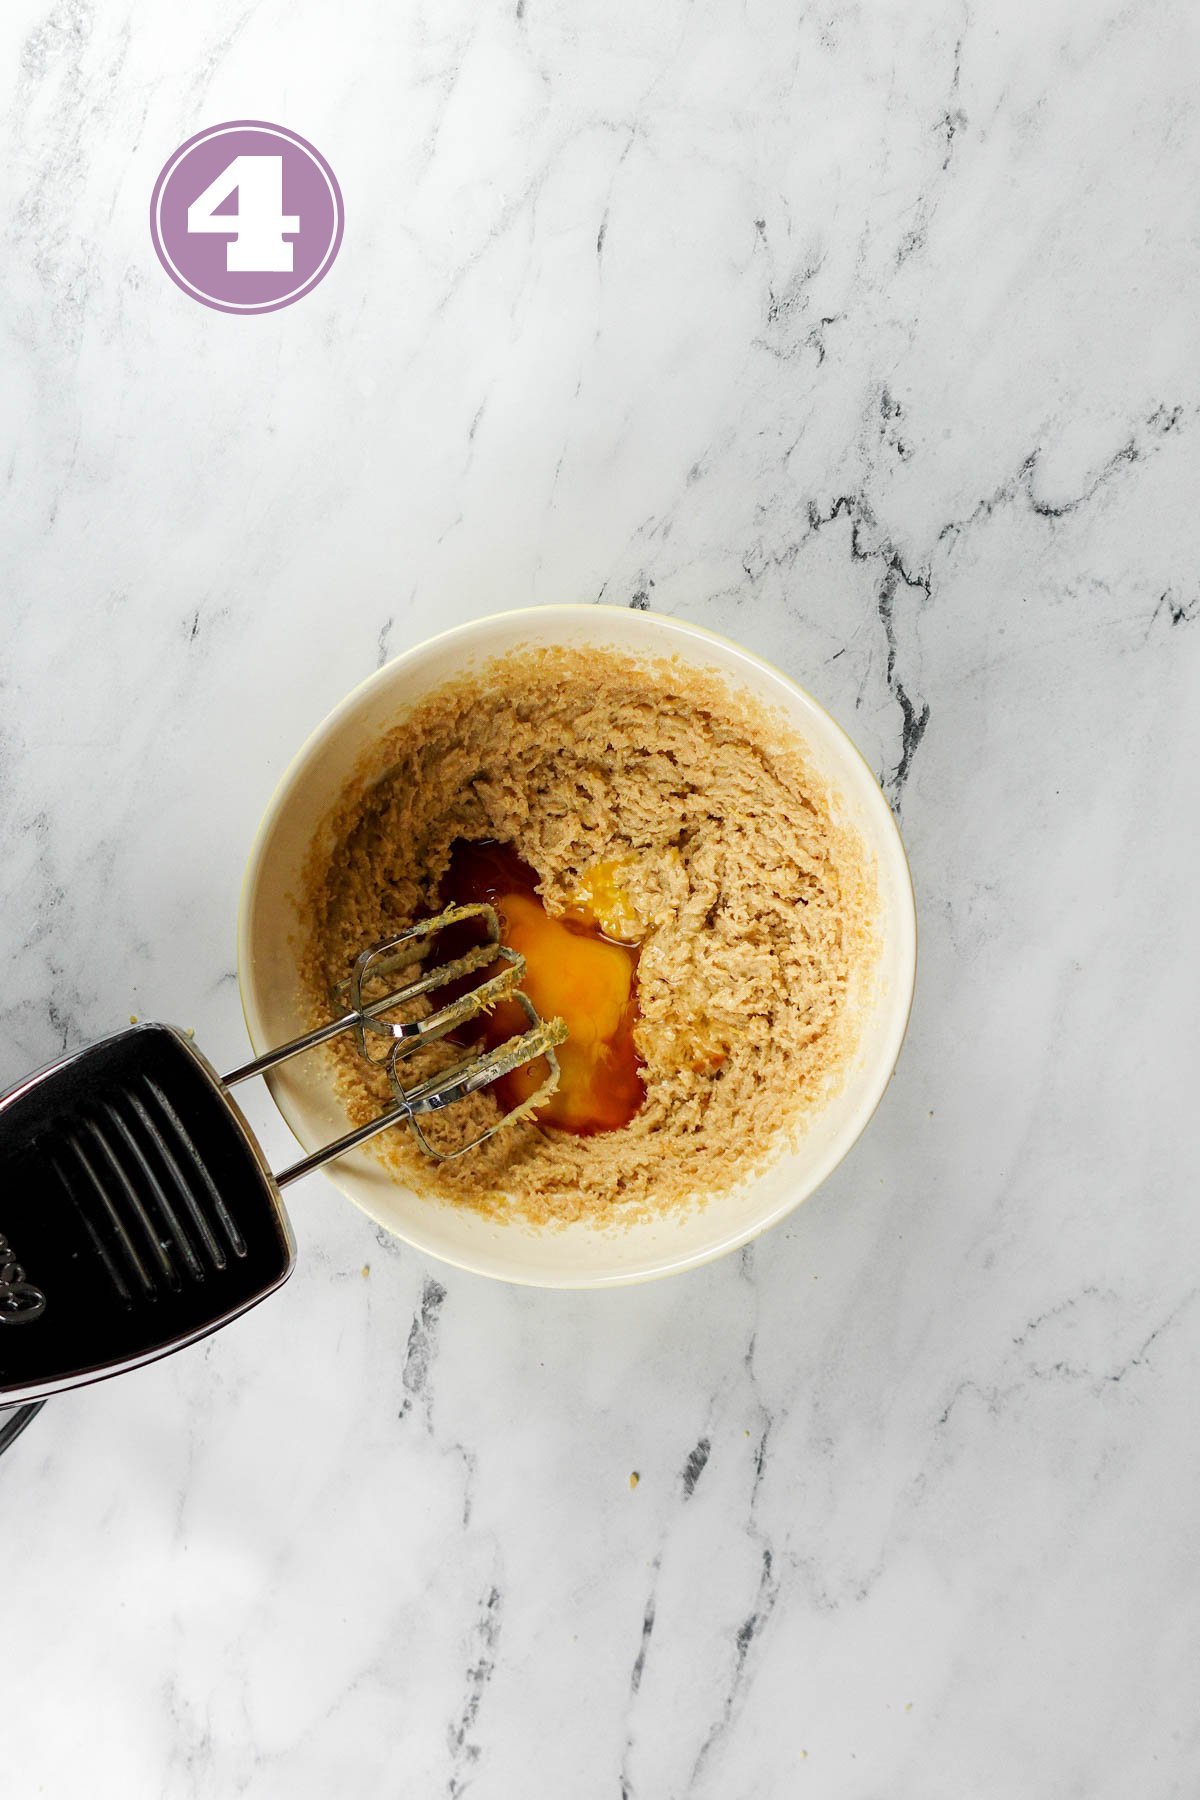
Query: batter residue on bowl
x=675, y=813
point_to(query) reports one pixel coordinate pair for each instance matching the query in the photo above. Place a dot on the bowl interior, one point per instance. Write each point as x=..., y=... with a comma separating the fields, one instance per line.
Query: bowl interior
x=270, y=930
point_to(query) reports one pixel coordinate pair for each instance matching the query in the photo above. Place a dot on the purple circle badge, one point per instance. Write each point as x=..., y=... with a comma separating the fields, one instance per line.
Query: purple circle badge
x=246, y=217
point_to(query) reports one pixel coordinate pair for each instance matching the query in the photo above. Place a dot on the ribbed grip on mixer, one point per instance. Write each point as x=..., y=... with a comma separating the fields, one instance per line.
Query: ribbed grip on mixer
x=136, y=1204
x=147, y=1201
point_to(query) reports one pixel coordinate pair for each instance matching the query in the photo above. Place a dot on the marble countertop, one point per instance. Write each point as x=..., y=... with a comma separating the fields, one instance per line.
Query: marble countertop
x=867, y=335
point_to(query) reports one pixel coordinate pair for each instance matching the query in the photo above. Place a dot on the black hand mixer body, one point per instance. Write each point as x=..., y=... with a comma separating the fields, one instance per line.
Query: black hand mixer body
x=137, y=1209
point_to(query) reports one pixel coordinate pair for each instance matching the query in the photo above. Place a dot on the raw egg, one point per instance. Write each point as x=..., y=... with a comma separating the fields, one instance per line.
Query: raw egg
x=574, y=971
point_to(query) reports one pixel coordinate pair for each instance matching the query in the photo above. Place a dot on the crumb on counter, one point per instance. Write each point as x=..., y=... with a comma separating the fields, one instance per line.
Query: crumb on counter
x=634, y=1478
x=366, y=1270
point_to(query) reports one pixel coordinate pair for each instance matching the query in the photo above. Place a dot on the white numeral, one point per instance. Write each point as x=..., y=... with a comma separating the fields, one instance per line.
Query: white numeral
x=258, y=246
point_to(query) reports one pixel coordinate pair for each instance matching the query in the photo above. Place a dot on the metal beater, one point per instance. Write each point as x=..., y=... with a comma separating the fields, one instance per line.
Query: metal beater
x=137, y=1210
x=397, y=1039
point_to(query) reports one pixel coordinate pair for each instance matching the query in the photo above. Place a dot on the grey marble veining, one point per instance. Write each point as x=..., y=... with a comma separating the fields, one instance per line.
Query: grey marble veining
x=865, y=334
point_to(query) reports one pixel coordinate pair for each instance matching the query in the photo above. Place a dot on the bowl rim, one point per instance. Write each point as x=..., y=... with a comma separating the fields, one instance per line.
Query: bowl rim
x=906, y=921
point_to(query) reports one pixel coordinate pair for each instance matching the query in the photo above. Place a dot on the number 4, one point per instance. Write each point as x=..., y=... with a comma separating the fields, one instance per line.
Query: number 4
x=258, y=246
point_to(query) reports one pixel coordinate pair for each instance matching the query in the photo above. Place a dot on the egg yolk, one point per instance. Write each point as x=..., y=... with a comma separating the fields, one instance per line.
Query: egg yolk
x=601, y=900
x=573, y=971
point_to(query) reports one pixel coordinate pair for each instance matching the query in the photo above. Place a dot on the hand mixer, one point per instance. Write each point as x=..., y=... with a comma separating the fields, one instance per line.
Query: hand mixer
x=137, y=1210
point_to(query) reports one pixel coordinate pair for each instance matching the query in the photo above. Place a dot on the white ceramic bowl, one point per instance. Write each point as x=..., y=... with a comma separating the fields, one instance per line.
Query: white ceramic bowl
x=268, y=928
